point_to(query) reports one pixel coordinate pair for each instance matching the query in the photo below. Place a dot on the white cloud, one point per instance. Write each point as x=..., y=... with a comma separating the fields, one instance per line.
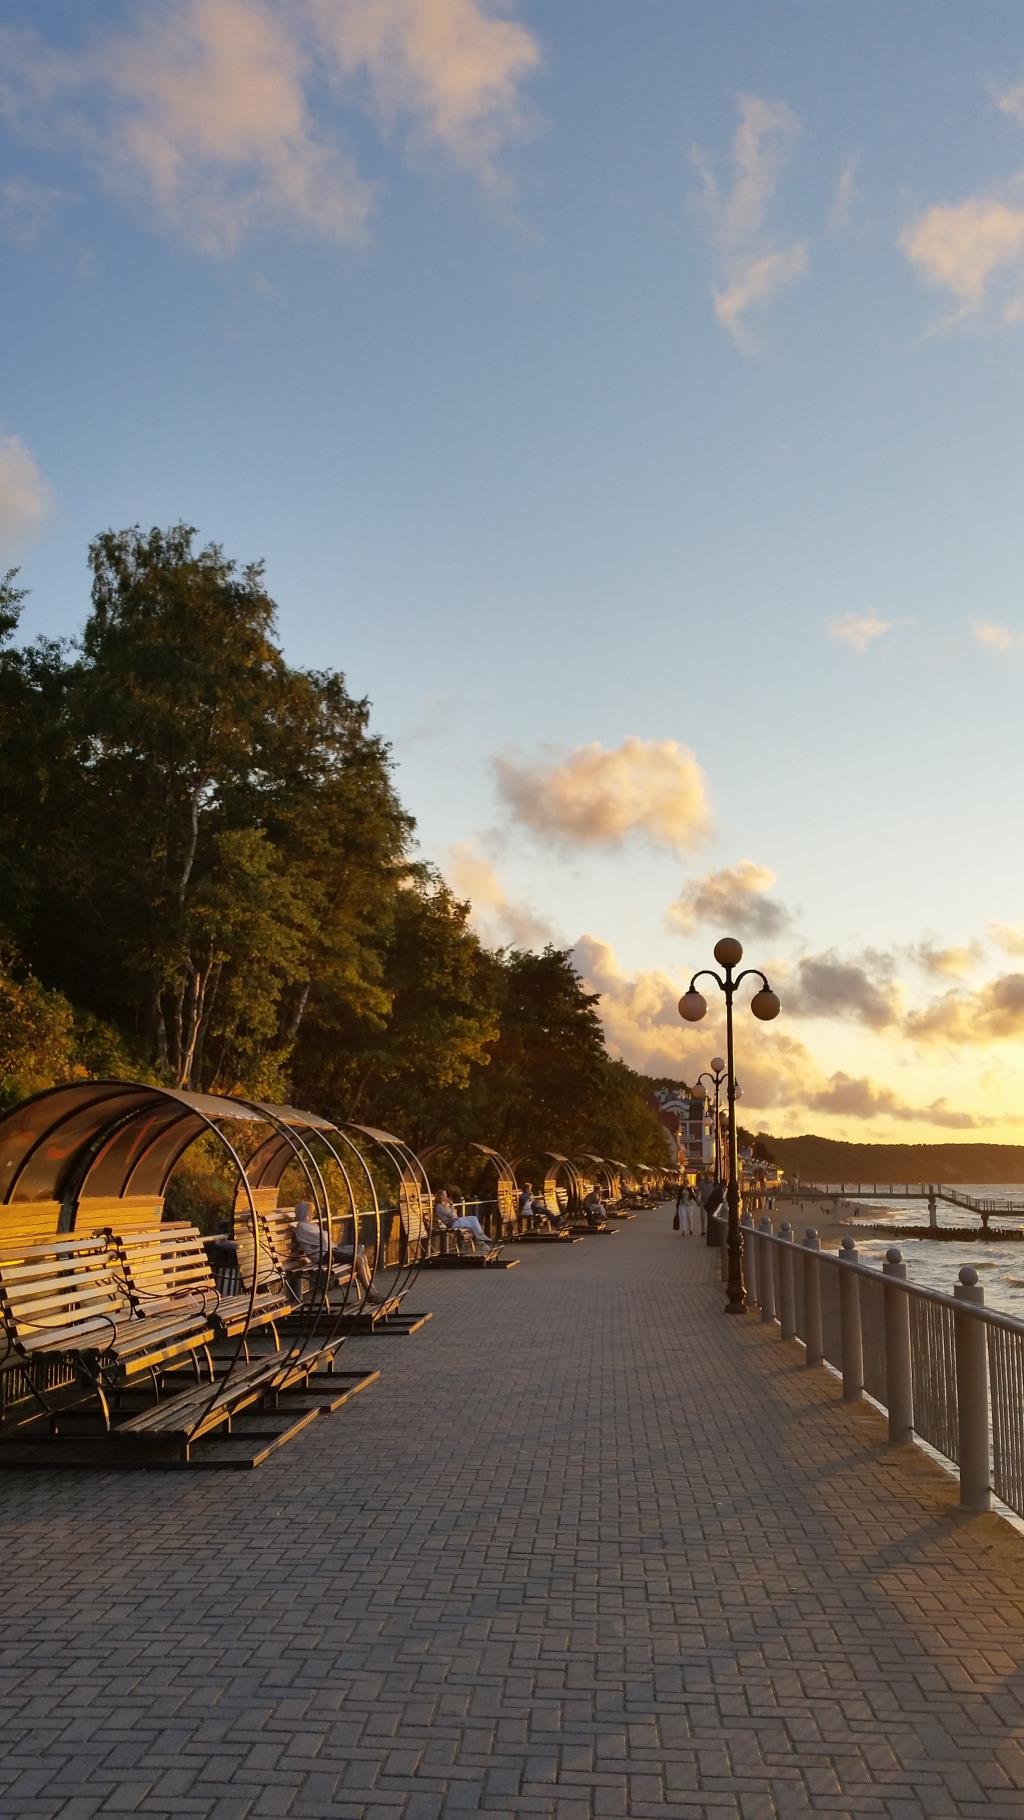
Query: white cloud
x=735, y=900
x=756, y=282
x=971, y=249
x=1011, y=101
x=859, y=630
x=995, y=637
x=844, y=197
x=25, y=497
x=207, y=111
x=861, y=1098
x=755, y=266
x=451, y=68
x=600, y=796
x=829, y=985
x=948, y=963
x=1008, y=936
x=499, y=919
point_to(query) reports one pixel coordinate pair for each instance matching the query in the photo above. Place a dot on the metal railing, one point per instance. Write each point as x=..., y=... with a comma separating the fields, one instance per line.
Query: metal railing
x=942, y=1367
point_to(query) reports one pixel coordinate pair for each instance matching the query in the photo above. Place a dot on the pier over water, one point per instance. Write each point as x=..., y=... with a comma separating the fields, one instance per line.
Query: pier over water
x=589, y=1549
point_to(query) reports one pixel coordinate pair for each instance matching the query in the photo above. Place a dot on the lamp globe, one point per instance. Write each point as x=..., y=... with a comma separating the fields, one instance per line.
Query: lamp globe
x=765, y=1005
x=692, y=1006
x=718, y=1064
x=728, y=951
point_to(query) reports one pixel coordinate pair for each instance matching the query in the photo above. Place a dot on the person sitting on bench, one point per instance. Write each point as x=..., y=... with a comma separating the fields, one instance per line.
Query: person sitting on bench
x=445, y=1214
x=532, y=1210
x=312, y=1239
x=594, y=1208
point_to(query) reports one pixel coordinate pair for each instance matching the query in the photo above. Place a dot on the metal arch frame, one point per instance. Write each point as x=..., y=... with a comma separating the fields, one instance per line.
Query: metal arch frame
x=412, y=1175
x=72, y=1172
x=276, y=1161
x=575, y=1180
x=506, y=1176
x=605, y=1164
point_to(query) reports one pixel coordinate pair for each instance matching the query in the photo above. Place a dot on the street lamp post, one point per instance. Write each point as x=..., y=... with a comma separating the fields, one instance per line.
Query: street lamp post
x=764, y=1005
x=716, y=1077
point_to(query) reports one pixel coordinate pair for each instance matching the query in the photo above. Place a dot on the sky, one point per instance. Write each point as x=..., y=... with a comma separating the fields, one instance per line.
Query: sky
x=628, y=399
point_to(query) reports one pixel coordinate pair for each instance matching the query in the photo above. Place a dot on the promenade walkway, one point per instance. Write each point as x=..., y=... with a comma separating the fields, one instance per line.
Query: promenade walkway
x=588, y=1549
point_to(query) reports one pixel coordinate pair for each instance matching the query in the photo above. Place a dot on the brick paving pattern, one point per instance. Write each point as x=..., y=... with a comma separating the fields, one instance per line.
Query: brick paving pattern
x=588, y=1549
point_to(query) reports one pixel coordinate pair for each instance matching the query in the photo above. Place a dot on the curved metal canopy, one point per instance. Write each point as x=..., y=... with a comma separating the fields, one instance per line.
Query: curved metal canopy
x=112, y=1138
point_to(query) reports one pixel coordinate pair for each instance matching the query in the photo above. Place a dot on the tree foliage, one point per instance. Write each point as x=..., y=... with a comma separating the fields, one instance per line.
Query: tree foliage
x=210, y=882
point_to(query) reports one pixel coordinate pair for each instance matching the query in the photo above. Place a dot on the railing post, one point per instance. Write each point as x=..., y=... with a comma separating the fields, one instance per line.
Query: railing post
x=787, y=1298
x=749, y=1258
x=766, y=1269
x=972, y=1395
x=899, y=1380
x=814, y=1344
x=851, y=1342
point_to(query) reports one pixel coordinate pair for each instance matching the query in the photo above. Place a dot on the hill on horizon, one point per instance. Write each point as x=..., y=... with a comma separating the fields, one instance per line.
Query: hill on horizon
x=818, y=1159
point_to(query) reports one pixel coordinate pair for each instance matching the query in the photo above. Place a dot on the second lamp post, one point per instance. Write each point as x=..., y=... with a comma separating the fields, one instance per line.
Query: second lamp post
x=692, y=1007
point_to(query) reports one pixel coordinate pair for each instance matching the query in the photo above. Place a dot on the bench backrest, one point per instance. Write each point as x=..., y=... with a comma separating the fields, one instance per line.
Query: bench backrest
x=164, y=1263
x=67, y=1286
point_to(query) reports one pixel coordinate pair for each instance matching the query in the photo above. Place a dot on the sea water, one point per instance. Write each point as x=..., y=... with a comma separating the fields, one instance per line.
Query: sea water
x=1000, y=1266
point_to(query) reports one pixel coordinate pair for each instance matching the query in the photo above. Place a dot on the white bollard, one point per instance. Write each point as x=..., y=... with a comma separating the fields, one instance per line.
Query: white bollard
x=899, y=1373
x=972, y=1396
x=814, y=1345
x=787, y=1298
x=766, y=1270
x=852, y=1345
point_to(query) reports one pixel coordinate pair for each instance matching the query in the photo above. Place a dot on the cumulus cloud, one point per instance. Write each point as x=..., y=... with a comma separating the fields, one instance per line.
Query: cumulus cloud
x=949, y=963
x=755, y=264
x=1011, y=101
x=859, y=630
x=207, y=111
x=600, y=796
x=1008, y=936
x=844, y=197
x=735, y=900
x=995, y=637
x=471, y=874
x=756, y=282
x=25, y=497
x=975, y=251
x=995, y=1012
x=642, y=1024
x=452, y=69
x=827, y=985
x=860, y=1098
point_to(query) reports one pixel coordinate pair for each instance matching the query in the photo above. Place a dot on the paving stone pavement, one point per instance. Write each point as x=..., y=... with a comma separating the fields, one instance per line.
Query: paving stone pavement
x=588, y=1549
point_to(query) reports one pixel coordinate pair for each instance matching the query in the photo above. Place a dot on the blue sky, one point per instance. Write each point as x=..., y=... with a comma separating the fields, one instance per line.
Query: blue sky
x=590, y=377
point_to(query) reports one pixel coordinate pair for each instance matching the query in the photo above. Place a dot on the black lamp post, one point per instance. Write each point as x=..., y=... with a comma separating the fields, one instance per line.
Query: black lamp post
x=692, y=1007
x=716, y=1077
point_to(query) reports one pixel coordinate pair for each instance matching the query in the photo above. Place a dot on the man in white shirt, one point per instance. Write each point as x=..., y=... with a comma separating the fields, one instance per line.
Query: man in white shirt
x=312, y=1238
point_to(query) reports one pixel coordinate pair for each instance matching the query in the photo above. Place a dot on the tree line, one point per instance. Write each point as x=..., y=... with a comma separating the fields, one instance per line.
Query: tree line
x=211, y=883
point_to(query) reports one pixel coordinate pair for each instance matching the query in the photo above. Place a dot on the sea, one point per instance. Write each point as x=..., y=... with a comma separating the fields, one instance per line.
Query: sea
x=1000, y=1266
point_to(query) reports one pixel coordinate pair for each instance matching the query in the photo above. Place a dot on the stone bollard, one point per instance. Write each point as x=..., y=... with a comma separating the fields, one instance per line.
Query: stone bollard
x=972, y=1396
x=787, y=1297
x=766, y=1269
x=814, y=1345
x=899, y=1377
x=749, y=1258
x=852, y=1345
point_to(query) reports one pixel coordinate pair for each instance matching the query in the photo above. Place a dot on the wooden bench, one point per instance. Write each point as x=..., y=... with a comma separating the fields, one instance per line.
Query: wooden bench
x=66, y=1298
x=166, y=1266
